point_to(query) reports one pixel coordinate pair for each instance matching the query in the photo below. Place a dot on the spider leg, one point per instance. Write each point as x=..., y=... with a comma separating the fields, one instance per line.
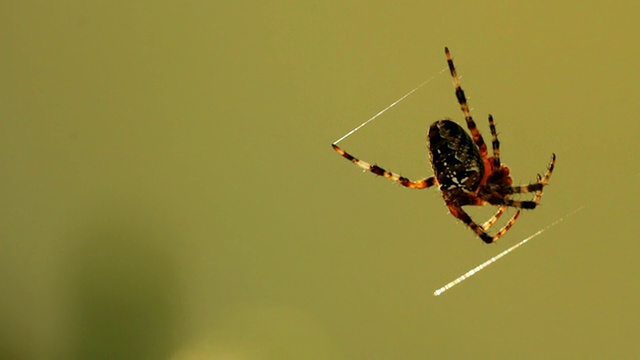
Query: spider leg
x=494, y=142
x=520, y=204
x=537, y=187
x=539, y=192
x=496, y=163
x=542, y=181
x=507, y=226
x=489, y=223
x=462, y=100
x=419, y=184
x=479, y=230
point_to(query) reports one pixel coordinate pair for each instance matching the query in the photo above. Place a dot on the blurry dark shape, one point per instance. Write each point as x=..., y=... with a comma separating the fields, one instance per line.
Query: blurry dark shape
x=124, y=295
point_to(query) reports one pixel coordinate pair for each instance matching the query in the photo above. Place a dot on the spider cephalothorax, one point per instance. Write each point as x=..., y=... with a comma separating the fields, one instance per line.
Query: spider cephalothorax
x=467, y=175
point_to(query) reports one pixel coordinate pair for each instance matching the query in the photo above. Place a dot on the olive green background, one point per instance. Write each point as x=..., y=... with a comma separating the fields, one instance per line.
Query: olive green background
x=169, y=190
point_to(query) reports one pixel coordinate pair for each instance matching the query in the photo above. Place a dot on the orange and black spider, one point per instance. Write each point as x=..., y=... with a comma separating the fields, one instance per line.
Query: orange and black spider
x=465, y=172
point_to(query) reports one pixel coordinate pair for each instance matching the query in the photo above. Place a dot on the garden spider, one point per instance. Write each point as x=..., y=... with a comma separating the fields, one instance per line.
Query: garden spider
x=465, y=172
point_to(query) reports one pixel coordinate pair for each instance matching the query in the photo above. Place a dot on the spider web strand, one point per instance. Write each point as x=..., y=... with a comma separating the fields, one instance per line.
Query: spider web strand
x=476, y=269
x=389, y=107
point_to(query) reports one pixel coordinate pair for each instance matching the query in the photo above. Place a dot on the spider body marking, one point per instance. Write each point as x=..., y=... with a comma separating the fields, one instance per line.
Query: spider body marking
x=455, y=159
x=467, y=175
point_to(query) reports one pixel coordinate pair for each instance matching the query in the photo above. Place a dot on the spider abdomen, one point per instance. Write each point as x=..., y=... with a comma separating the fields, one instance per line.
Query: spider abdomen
x=455, y=158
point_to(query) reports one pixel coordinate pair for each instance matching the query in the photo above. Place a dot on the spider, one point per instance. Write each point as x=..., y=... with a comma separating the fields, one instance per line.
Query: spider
x=467, y=175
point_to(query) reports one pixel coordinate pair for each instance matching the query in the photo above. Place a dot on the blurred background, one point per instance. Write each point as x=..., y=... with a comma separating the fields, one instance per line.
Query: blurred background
x=168, y=190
